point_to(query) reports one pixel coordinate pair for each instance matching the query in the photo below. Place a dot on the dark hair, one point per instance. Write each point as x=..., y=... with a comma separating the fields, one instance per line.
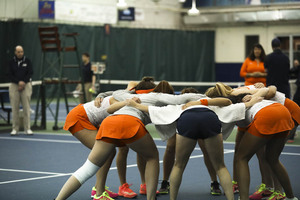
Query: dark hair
x=164, y=87
x=146, y=83
x=189, y=90
x=262, y=54
x=86, y=54
x=238, y=98
x=275, y=43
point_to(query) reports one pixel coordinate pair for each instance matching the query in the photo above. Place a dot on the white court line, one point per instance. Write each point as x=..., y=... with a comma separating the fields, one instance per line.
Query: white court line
x=31, y=179
x=77, y=142
x=28, y=171
x=40, y=140
x=60, y=141
x=68, y=174
x=226, y=151
x=292, y=154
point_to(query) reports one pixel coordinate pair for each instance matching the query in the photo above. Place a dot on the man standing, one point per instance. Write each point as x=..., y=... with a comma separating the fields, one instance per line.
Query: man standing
x=278, y=67
x=296, y=72
x=20, y=89
x=89, y=79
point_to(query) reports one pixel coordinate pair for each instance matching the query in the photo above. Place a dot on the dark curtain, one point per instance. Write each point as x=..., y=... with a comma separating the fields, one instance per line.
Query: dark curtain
x=171, y=55
x=165, y=54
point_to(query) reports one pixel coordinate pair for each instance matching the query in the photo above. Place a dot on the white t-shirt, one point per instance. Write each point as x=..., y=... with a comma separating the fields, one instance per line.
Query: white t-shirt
x=97, y=115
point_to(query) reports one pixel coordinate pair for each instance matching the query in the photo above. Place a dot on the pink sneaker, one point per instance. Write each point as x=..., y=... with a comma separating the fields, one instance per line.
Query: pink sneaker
x=277, y=196
x=93, y=193
x=104, y=196
x=235, y=187
x=110, y=193
x=262, y=193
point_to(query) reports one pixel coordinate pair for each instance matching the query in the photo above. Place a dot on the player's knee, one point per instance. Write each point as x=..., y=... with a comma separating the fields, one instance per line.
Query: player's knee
x=86, y=171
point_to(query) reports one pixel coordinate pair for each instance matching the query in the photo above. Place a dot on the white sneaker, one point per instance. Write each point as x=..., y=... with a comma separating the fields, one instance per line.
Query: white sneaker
x=29, y=132
x=13, y=132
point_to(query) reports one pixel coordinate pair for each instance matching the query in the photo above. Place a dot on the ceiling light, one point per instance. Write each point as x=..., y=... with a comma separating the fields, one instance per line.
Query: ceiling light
x=193, y=11
x=122, y=5
x=181, y=1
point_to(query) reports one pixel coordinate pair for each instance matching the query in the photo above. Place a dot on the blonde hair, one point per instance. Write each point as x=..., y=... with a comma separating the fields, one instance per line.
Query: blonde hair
x=220, y=90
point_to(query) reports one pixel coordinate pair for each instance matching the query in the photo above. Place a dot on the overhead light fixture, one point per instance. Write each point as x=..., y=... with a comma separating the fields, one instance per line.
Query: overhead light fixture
x=193, y=11
x=181, y=1
x=122, y=5
x=278, y=15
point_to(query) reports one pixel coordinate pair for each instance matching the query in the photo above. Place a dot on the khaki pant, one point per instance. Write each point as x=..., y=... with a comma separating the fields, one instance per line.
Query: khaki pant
x=15, y=97
x=88, y=94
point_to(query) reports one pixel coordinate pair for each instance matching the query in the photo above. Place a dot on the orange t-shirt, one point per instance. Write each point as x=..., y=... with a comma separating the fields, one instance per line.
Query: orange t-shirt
x=250, y=66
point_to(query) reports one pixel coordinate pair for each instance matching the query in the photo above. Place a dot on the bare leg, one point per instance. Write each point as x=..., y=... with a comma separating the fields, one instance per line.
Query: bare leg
x=211, y=171
x=71, y=186
x=87, y=137
x=169, y=158
x=184, y=148
x=265, y=170
x=121, y=162
x=141, y=163
x=102, y=174
x=238, y=138
x=99, y=154
x=215, y=150
x=277, y=185
x=146, y=148
x=273, y=151
x=247, y=148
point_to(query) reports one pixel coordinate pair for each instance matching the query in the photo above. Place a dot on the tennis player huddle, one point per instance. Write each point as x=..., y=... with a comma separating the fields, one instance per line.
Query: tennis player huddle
x=263, y=115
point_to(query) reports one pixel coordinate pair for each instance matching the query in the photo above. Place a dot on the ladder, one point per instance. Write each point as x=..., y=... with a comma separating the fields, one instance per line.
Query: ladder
x=52, y=46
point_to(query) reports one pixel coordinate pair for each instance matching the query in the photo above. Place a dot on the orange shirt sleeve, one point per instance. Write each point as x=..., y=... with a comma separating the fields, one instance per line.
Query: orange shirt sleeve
x=243, y=71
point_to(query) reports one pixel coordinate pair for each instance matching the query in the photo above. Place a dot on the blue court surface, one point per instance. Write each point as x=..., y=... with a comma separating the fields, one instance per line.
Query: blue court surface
x=36, y=167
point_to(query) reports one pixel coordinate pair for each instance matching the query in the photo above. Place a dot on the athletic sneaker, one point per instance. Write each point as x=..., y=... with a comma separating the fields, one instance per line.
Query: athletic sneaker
x=93, y=193
x=29, y=132
x=110, y=193
x=277, y=196
x=165, y=187
x=261, y=193
x=104, y=196
x=143, y=189
x=13, y=132
x=235, y=187
x=125, y=191
x=215, y=188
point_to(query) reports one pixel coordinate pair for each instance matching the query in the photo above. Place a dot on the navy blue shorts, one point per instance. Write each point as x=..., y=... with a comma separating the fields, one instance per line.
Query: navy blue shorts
x=198, y=123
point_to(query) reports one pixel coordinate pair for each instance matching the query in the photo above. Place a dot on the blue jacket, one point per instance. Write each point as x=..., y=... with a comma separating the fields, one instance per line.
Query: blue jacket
x=20, y=70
